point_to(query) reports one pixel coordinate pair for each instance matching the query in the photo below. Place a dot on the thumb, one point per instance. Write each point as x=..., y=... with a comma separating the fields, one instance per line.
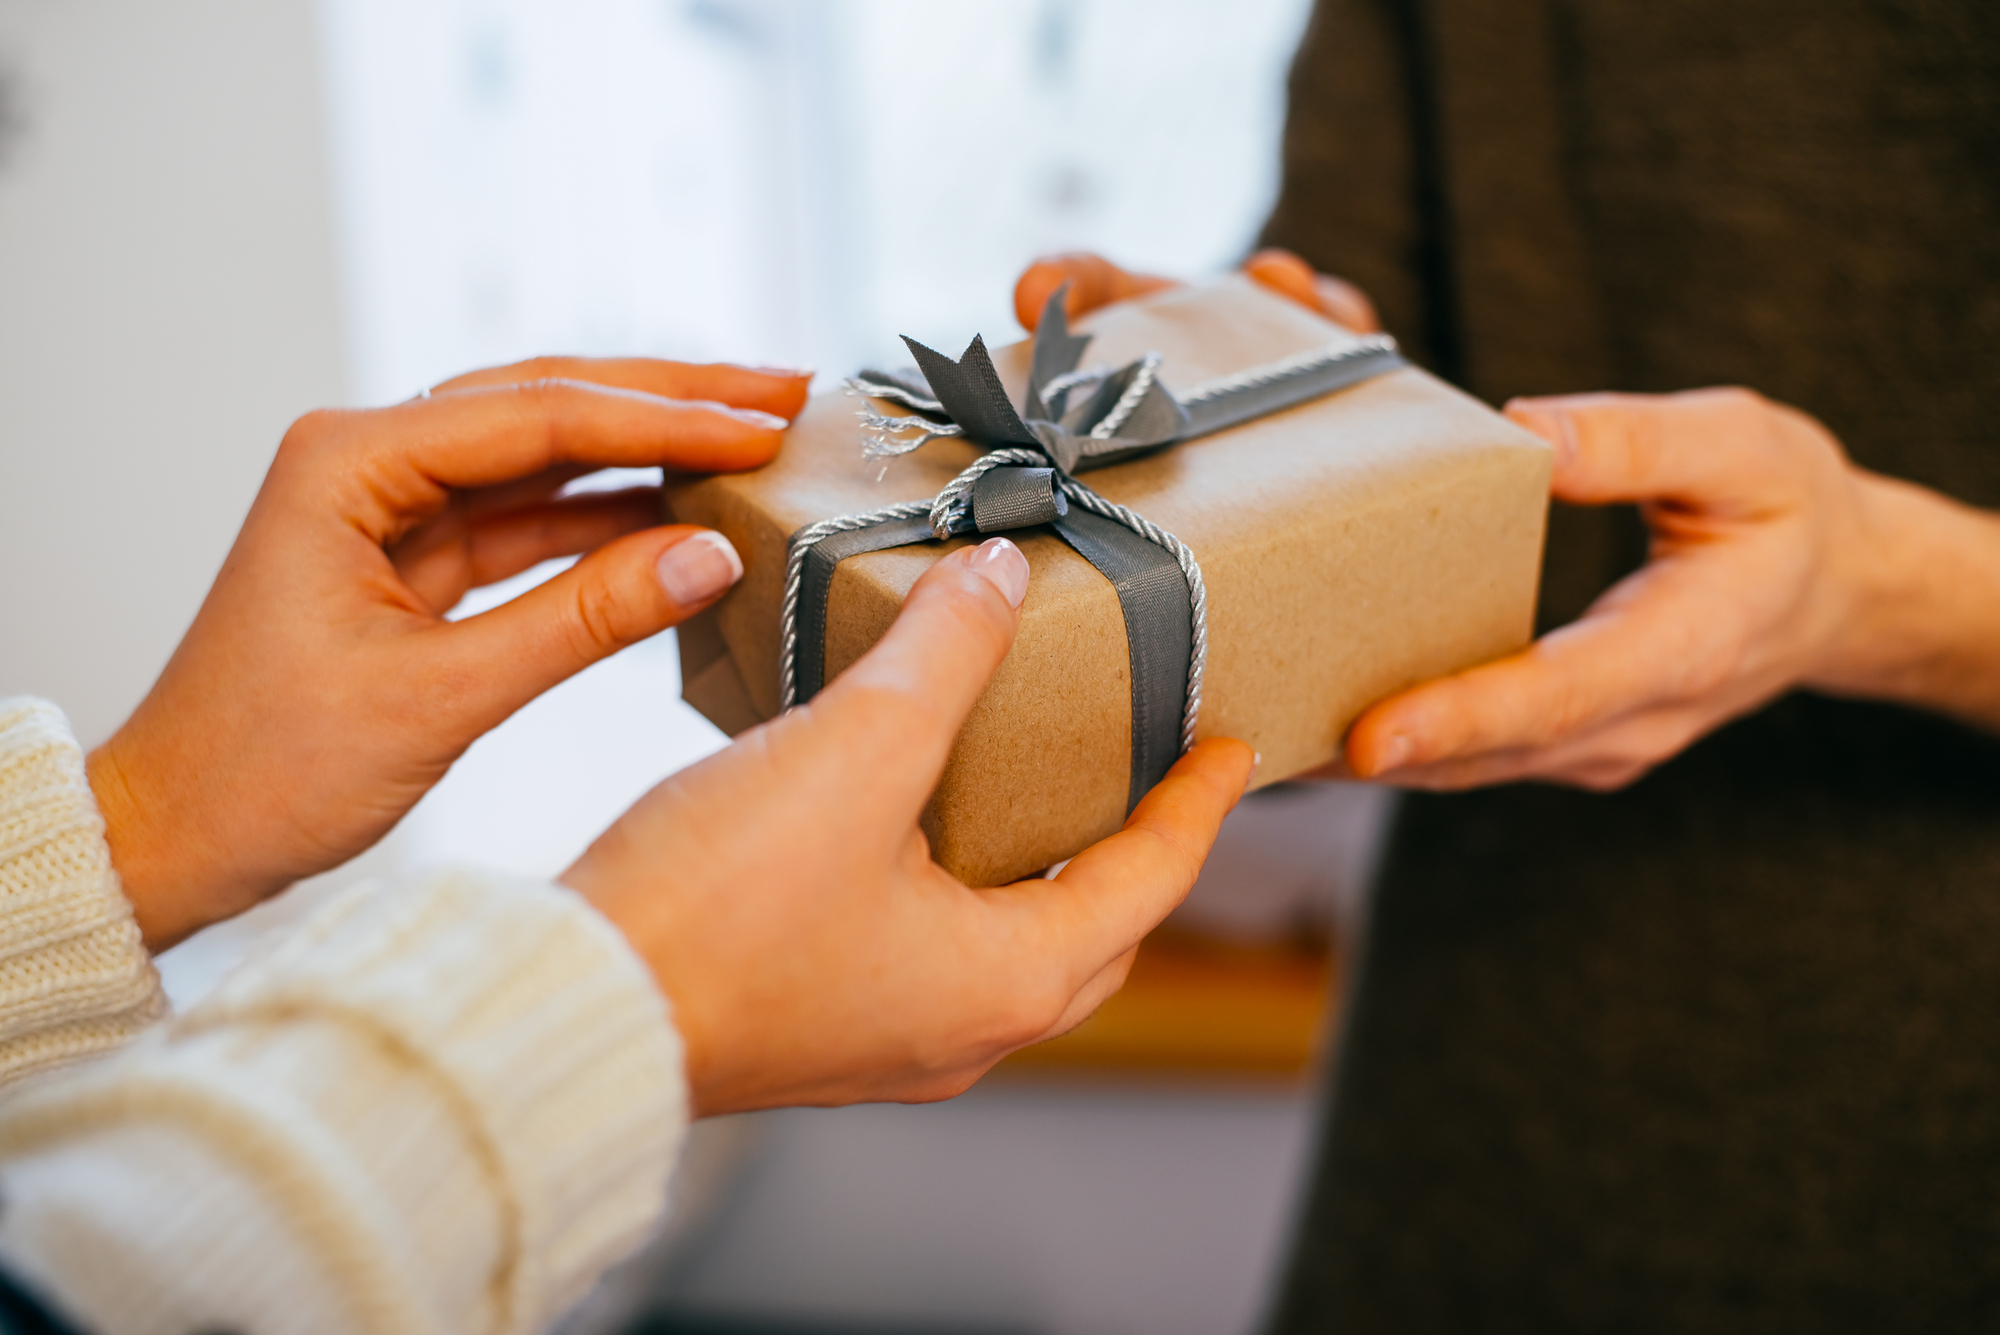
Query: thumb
x=899, y=708
x=1613, y=448
x=1117, y=890
x=1286, y=274
x=626, y=591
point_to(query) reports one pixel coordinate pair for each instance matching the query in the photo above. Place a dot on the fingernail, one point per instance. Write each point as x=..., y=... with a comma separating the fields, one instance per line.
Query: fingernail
x=697, y=568
x=796, y=372
x=1000, y=563
x=1553, y=427
x=1395, y=753
x=752, y=417
x=1256, y=763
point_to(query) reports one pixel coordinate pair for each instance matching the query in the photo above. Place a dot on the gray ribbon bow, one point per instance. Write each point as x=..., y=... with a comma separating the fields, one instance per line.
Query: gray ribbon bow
x=1078, y=419
x=1069, y=421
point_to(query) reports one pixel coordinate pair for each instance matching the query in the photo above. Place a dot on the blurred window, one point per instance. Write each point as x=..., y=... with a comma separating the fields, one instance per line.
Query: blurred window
x=794, y=180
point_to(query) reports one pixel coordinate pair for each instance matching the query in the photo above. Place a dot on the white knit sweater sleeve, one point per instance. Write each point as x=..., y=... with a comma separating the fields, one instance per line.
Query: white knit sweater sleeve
x=439, y=1106
x=74, y=979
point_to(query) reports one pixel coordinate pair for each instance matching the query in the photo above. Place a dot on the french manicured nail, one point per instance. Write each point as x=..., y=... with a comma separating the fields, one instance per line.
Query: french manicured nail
x=1395, y=753
x=751, y=417
x=697, y=568
x=1000, y=563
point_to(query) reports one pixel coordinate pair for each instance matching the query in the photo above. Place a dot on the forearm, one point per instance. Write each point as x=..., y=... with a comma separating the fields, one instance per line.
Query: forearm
x=440, y=1106
x=1925, y=623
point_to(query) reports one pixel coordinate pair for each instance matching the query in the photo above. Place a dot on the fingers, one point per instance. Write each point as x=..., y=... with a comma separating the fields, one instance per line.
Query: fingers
x=902, y=704
x=1664, y=637
x=1345, y=304
x=1117, y=890
x=441, y=560
x=1285, y=274
x=484, y=437
x=1712, y=446
x=407, y=459
x=1339, y=300
x=778, y=390
x=623, y=592
x=1093, y=282
x=523, y=493
x=1709, y=628
x=1554, y=687
x=1600, y=759
x=507, y=544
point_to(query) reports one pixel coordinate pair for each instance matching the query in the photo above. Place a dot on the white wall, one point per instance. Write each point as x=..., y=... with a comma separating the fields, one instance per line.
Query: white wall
x=167, y=306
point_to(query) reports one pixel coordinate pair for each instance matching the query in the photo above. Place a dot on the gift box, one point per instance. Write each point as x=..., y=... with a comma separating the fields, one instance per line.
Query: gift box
x=1366, y=537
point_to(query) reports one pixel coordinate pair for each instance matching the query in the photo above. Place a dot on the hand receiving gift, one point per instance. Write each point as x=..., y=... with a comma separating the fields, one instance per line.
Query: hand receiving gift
x=788, y=905
x=1775, y=563
x=471, y=1079
x=781, y=891
x=320, y=691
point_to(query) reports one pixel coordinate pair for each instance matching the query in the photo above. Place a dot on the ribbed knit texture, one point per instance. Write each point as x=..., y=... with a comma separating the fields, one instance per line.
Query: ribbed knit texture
x=438, y=1106
x=74, y=978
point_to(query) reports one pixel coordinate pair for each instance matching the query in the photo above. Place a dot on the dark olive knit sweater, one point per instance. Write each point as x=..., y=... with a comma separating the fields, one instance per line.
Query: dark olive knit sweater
x=1720, y=1052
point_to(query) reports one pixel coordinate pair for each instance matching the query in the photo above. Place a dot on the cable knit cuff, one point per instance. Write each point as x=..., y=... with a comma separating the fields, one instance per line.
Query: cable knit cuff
x=75, y=979
x=554, y=1042
x=453, y=1102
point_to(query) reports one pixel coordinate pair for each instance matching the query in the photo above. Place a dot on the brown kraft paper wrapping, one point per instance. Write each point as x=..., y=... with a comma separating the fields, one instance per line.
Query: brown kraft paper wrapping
x=1352, y=546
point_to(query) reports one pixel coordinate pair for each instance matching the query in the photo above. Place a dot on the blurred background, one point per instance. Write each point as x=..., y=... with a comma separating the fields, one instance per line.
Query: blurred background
x=218, y=214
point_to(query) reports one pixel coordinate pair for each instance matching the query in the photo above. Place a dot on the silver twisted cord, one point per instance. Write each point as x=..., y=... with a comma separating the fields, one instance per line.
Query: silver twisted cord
x=807, y=538
x=1190, y=568
x=795, y=567
x=956, y=497
x=879, y=445
x=1128, y=402
x=1286, y=367
x=947, y=508
x=1087, y=375
x=879, y=430
x=894, y=393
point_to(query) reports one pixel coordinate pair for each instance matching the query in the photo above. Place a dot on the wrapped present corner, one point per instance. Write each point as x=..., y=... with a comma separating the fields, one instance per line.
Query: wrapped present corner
x=1241, y=520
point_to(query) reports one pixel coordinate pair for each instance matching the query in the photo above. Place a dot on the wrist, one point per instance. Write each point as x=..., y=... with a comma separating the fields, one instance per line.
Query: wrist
x=644, y=914
x=150, y=864
x=1923, y=618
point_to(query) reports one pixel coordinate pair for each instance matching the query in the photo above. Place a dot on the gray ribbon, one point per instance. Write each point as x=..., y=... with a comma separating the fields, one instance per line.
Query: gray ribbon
x=1010, y=498
x=1079, y=420
x=1154, y=602
x=1069, y=421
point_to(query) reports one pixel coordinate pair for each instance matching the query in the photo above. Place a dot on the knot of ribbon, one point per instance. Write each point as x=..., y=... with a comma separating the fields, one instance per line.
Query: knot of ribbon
x=1069, y=420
